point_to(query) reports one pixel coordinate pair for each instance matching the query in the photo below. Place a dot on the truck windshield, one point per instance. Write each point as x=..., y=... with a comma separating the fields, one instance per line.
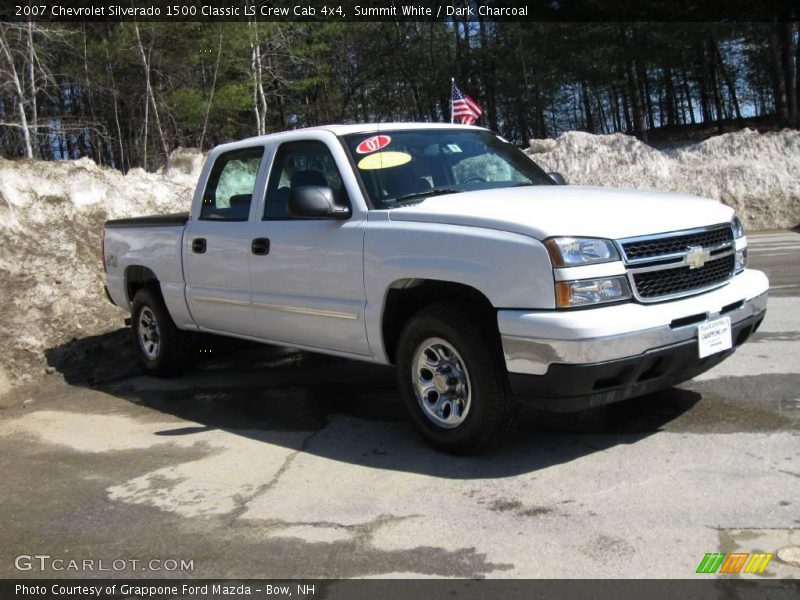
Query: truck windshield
x=405, y=167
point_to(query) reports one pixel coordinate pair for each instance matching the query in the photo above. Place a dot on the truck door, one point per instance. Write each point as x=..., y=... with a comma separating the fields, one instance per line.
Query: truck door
x=217, y=244
x=308, y=286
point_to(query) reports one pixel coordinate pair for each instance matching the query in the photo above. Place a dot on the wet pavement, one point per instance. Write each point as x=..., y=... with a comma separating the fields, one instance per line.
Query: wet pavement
x=266, y=462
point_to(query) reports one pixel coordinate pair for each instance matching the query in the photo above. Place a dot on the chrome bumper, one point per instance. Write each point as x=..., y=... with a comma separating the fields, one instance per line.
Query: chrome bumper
x=621, y=331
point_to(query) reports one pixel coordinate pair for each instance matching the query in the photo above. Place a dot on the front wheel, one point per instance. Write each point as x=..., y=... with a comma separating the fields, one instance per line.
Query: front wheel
x=453, y=380
x=160, y=345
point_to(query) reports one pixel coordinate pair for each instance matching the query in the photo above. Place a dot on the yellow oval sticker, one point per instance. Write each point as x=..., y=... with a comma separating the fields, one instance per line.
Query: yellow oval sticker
x=383, y=160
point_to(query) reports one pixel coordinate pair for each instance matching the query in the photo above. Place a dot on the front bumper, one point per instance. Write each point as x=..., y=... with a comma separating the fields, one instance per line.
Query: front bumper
x=569, y=360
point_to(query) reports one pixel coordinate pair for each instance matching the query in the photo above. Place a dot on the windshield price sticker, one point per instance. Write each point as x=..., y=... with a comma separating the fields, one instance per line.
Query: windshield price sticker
x=383, y=160
x=372, y=144
x=714, y=336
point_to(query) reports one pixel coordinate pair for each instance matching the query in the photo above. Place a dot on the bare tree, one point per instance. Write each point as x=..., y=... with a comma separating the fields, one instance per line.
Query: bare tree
x=13, y=77
x=115, y=93
x=256, y=67
x=32, y=84
x=149, y=90
x=211, y=94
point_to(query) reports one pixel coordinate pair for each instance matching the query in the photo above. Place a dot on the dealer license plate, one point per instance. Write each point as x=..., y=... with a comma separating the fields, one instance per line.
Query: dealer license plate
x=714, y=336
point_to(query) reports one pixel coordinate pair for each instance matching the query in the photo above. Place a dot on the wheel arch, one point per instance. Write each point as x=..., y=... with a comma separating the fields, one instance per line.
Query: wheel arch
x=138, y=277
x=405, y=297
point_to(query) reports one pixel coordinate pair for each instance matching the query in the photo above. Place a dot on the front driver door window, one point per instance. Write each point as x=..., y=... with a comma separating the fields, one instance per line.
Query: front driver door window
x=301, y=164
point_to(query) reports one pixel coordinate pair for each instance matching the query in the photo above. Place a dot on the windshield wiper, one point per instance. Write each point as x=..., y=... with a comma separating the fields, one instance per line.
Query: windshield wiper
x=422, y=195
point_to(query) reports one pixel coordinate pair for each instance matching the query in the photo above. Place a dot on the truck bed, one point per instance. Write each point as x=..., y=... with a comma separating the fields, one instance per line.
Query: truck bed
x=170, y=220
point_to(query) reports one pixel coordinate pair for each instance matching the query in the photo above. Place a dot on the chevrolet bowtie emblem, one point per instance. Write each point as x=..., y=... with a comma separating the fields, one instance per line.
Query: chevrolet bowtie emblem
x=696, y=257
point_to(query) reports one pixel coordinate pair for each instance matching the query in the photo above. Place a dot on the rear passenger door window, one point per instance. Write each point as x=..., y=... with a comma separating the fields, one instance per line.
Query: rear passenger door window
x=297, y=164
x=231, y=183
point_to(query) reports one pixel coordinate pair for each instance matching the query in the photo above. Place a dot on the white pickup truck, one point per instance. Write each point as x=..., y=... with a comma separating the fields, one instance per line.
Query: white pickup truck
x=444, y=250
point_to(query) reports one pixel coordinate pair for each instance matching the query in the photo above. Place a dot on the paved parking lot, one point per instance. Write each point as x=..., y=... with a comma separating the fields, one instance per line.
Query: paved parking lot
x=273, y=463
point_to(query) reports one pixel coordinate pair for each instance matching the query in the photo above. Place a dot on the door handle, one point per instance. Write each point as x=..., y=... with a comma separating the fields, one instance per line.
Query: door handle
x=260, y=246
x=199, y=245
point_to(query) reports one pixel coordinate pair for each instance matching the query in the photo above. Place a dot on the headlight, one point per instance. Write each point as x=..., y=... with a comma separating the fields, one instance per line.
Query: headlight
x=738, y=228
x=591, y=291
x=572, y=251
x=740, y=260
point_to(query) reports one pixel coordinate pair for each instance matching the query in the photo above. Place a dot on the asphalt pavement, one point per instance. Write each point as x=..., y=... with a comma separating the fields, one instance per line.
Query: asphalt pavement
x=266, y=462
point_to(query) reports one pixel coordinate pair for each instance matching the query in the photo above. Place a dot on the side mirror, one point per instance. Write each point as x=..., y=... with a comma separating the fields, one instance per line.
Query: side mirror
x=558, y=178
x=315, y=202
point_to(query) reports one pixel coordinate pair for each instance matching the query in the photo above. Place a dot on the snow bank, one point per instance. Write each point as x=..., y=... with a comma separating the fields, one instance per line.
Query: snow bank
x=51, y=216
x=755, y=173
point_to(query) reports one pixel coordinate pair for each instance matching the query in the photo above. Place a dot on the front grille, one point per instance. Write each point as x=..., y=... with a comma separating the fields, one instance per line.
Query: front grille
x=660, y=266
x=666, y=282
x=661, y=246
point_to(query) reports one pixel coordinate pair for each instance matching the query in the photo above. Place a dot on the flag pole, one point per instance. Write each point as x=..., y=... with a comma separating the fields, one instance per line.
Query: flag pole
x=452, y=85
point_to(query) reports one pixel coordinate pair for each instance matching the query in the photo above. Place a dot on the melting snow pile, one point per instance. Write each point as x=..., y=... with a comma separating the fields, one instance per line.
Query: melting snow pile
x=51, y=216
x=755, y=173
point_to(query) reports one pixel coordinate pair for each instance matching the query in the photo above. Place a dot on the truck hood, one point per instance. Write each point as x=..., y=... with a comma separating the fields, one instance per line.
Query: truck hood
x=544, y=211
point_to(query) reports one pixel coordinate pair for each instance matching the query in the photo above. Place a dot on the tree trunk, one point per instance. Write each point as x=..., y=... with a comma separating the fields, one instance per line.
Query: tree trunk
x=146, y=124
x=587, y=108
x=613, y=100
x=70, y=145
x=635, y=92
x=601, y=113
x=576, y=103
x=62, y=151
x=779, y=83
x=626, y=112
x=34, y=125
x=645, y=93
x=85, y=92
x=711, y=70
x=12, y=70
x=488, y=76
x=789, y=70
x=705, y=106
x=115, y=94
x=670, y=97
x=254, y=71
x=211, y=94
x=149, y=89
x=538, y=103
x=729, y=82
x=259, y=97
x=687, y=92
x=523, y=120
x=630, y=44
x=796, y=73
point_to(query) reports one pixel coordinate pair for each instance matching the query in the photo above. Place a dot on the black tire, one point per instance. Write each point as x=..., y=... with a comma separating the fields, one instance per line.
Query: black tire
x=172, y=351
x=491, y=416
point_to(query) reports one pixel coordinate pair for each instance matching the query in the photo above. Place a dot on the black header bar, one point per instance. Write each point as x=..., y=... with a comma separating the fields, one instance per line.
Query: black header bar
x=333, y=11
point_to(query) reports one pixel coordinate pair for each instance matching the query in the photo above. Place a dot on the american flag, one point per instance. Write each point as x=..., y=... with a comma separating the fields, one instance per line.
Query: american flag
x=464, y=108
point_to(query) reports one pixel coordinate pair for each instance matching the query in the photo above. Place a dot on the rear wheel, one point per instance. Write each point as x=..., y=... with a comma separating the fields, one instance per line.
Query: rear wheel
x=453, y=380
x=160, y=345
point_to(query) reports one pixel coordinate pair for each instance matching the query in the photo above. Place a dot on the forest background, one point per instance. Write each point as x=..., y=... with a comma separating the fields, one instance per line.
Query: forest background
x=127, y=94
